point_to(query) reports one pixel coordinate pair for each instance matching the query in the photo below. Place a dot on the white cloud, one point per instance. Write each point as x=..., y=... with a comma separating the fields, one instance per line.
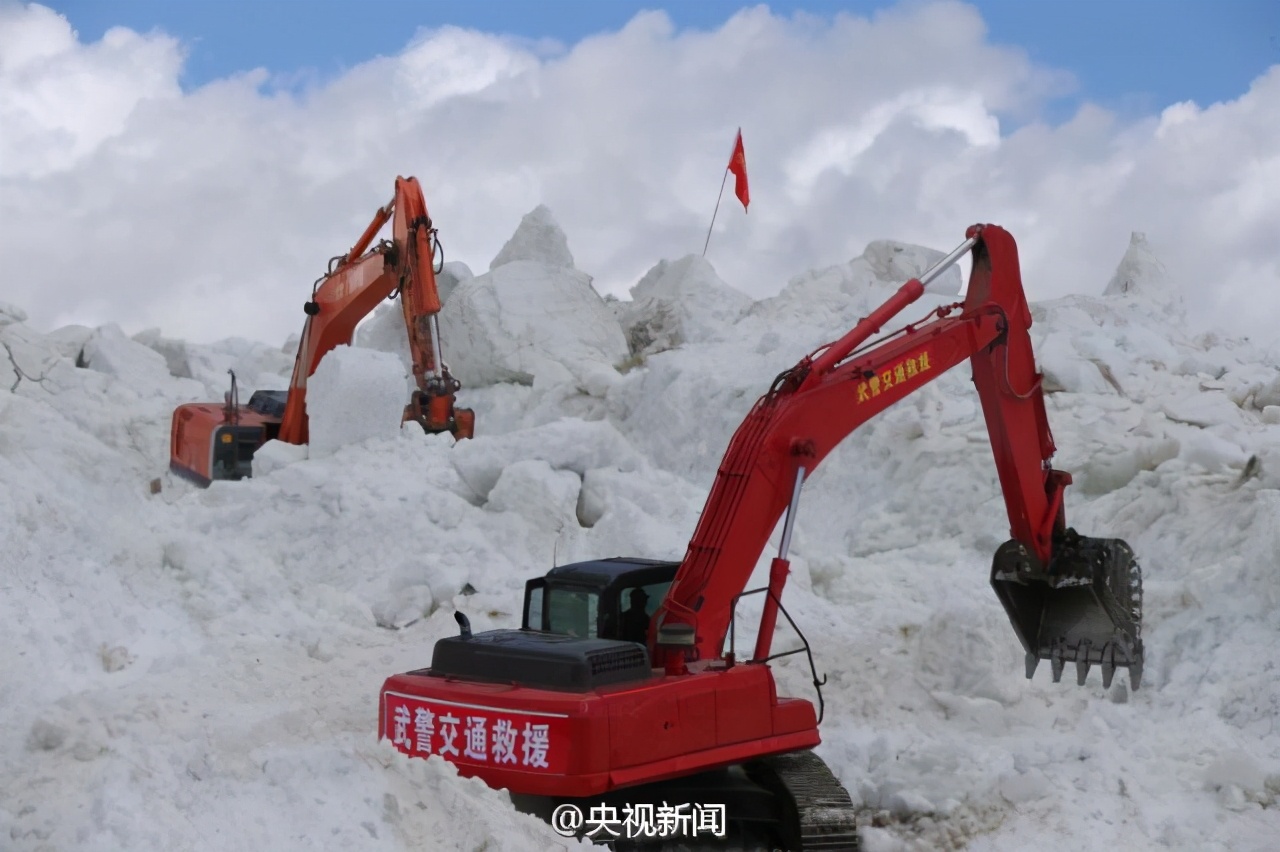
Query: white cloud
x=937, y=109
x=60, y=99
x=210, y=212
x=452, y=62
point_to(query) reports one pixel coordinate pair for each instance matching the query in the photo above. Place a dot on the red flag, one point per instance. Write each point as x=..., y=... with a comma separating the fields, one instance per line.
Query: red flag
x=738, y=165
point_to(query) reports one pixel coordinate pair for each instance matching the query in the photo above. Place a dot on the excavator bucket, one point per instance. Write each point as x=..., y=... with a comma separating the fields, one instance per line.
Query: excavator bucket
x=1084, y=608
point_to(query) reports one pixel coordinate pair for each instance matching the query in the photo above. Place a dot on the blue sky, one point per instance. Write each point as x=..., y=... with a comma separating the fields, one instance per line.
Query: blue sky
x=1132, y=56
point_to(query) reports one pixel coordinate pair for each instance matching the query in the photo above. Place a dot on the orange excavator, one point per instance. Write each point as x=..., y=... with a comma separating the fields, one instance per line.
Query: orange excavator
x=623, y=691
x=209, y=441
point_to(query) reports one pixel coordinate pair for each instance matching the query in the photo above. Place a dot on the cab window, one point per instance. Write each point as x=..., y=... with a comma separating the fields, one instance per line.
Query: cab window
x=572, y=612
x=637, y=605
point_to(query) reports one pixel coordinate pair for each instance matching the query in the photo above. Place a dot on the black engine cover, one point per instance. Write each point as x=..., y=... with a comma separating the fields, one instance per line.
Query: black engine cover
x=543, y=660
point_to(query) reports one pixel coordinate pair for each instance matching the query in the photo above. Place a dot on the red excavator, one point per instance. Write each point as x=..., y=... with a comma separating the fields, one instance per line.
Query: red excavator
x=209, y=441
x=619, y=689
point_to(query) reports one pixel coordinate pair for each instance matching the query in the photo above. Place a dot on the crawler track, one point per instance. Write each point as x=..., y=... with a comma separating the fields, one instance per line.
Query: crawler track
x=819, y=811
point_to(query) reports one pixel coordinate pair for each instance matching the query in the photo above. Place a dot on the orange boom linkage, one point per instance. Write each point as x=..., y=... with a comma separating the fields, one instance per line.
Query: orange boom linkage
x=580, y=705
x=210, y=441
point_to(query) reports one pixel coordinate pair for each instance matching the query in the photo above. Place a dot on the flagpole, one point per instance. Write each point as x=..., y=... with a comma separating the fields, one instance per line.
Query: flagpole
x=723, y=181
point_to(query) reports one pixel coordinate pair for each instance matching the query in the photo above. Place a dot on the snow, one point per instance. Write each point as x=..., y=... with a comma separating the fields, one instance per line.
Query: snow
x=10, y=314
x=354, y=395
x=540, y=239
x=452, y=274
x=680, y=302
x=198, y=668
x=1142, y=276
x=532, y=313
x=274, y=455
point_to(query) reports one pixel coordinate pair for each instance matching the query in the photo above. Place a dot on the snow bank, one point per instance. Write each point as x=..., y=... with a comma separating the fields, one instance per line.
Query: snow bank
x=679, y=302
x=451, y=274
x=10, y=314
x=172, y=350
x=539, y=239
x=70, y=340
x=274, y=455
x=895, y=263
x=571, y=445
x=384, y=331
x=30, y=358
x=830, y=301
x=354, y=395
x=257, y=366
x=109, y=351
x=532, y=312
x=1141, y=276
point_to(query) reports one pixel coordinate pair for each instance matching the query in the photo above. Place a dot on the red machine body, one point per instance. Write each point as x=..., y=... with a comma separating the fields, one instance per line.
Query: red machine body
x=210, y=441
x=610, y=737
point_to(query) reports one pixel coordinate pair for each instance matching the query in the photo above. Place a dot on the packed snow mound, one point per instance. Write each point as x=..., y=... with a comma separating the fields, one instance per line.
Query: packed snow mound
x=257, y=366
x=29, y=357
x=835, y=298
x=135, y=367
x=526, y=317
x=384, y=331
x=896, y=263
x=680, y=302
x=573, y=445
x=117, y=403
x=1142, y=276
x=108, y=351
x=274, y=455
x=452, y=274
x=538, y=238
x=70, y=340
x=10, y=314
x=172, y=350
x=354, y=395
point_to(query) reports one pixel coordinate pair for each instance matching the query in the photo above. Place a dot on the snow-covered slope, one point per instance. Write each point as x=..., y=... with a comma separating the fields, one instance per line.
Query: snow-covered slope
x=532, y=314
x=198, y=669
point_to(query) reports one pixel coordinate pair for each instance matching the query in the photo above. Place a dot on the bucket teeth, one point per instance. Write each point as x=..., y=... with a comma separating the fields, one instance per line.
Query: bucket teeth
x=1032, y=662
x=1057, y=662
x=1082, y=661
x=1108, y=664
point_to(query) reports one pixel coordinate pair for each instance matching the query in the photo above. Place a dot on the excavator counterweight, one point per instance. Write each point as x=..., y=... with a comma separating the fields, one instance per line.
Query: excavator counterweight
x=209, y=442
x=622, y=684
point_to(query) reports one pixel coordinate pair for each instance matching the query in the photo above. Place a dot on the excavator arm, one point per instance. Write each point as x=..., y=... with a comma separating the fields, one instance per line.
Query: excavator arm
x=341, y=300
x=354, y=285
x=1069, y=598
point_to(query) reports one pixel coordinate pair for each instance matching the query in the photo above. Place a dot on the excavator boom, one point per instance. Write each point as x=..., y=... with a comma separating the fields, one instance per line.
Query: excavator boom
x=816, y=404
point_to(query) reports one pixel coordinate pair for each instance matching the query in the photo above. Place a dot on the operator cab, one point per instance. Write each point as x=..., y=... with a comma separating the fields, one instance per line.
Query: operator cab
x=585, y=625
x=605, y=599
